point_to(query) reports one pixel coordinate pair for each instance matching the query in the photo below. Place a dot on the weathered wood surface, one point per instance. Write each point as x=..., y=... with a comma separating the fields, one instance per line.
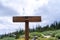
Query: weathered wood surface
x=23, y=18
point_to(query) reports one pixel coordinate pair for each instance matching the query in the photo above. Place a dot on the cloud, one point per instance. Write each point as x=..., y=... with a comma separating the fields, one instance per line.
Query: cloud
x=5, y=31
x=11, y=7
x=50, y=12
x=7, y=23
x=5, y=11
x=28, y=5
x=48, y=9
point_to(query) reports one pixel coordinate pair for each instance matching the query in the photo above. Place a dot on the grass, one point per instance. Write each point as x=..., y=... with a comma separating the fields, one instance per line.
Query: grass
x=8, y=38
x=21, y=39
x=52, y=38
x=40, y=38
x=37, y=33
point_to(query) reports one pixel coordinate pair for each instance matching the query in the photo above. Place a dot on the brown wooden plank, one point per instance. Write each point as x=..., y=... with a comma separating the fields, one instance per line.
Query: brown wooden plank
x=23, y=18
x=26, y=30
x=34, y=19
x=18, y=19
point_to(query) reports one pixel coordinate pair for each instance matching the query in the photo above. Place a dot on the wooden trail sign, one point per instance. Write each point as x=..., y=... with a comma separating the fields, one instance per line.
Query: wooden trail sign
x=23, y=18
x=27, y=19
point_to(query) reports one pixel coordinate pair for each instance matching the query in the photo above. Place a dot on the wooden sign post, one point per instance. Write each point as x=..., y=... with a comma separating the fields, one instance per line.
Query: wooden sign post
x=26, y=19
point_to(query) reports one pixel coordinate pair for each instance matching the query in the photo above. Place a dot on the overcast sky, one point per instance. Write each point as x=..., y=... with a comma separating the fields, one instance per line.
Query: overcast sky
x=49, y=10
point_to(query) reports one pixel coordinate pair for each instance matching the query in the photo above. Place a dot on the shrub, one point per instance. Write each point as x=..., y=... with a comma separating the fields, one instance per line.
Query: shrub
x=53, y=34
x=17, y=34
x=57, y=35
x=36, y=34
x=1, y=37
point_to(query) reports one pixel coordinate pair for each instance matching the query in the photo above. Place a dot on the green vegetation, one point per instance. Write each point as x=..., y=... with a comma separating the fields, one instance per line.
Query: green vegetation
x=8, y=38
x=39, y=34
x=52, y=31
x=36, y=34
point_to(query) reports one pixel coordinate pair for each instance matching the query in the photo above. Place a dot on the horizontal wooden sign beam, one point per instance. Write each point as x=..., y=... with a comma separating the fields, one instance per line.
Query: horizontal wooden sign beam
x=24, y=18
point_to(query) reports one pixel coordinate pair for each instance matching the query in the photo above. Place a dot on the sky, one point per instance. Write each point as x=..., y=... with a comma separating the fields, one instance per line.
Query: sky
x=49, y=10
